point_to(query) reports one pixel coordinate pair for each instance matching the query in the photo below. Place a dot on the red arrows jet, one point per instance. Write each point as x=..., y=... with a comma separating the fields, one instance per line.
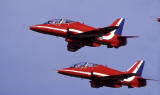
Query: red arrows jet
x=158, y=19
x=79, y=35
x=104, y=76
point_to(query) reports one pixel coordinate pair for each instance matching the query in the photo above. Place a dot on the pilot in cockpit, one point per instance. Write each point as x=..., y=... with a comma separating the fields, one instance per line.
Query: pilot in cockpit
x=76, y=66
x=61, y=21
x=86, y=64
x=51, y=22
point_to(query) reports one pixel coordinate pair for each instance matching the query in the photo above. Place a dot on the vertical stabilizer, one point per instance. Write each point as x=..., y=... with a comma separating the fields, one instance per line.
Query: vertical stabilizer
x=137, y=68
x=118, y=22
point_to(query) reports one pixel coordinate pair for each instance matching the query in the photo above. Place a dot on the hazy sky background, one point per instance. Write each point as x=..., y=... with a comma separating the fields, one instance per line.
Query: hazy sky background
x=29, y=60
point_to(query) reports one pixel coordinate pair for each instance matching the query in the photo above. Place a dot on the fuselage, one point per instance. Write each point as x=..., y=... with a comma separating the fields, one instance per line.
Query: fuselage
x=66, y=29
x=87, y=72
x=61, y=29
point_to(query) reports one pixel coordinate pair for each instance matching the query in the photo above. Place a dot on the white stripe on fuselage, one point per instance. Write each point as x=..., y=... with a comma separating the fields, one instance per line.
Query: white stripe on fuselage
x=110, y=36
x=74, y=30
x=129, y=79
x=135, y=71
x=87, y=73
x=64, y=30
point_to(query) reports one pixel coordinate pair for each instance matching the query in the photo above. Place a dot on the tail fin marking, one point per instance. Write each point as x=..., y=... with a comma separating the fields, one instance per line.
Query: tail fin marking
x=119, y=22
x=137, y=68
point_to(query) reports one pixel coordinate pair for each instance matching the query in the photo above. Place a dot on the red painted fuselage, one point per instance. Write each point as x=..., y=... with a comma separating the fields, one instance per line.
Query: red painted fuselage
x=104, y=76
x=79, y=35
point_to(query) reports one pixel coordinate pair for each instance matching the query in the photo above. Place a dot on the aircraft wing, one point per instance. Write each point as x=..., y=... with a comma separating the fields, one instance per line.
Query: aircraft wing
x=94, y=33
x=114, y=77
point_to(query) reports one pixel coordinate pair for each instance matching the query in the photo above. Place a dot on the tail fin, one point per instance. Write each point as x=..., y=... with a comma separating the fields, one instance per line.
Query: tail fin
x=120, y=23
x=137, y=68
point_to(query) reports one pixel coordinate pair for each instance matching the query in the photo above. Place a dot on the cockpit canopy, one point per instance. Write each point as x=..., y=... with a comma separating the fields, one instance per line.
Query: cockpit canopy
x=83, y=64
x=59, y=21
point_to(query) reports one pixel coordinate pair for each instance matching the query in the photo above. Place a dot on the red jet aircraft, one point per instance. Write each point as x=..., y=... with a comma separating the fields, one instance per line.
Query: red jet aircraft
x=104, y=76
x=158, y=19
x=79, y=35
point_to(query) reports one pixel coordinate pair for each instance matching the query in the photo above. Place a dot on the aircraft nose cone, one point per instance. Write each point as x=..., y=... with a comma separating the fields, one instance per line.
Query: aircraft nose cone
x=57, y=71
x=38, y=28
x=60, y=71
x=32, y=27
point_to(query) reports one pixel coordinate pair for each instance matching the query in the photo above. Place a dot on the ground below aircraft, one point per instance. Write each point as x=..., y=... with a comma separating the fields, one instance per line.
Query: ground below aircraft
x=79, y=35
x=100, y=75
